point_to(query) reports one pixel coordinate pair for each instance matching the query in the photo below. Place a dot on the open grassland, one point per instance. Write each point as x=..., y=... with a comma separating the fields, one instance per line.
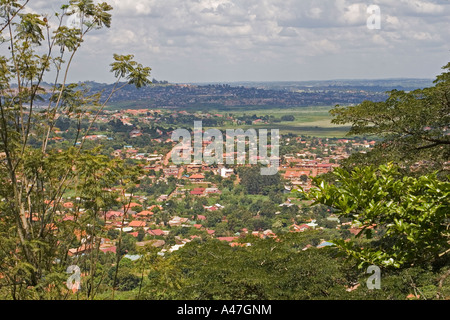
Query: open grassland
x=309, y=121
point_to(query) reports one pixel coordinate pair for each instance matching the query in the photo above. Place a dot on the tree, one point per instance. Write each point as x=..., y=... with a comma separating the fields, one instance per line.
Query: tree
x=414, y=127
x=287, y=118
x=33, y=177
x=128, y=245
x=268, y=269
x=255, y=183
x=407, y=217
x=125, y=279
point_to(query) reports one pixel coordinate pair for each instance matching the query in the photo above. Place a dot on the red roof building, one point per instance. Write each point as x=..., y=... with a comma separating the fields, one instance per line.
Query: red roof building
x=228, y=239
x=197, y=191
x=108, y=249
x=145, y=214
x=156, y=232
x=299, y=228
x=137, y=224
x=197, y=177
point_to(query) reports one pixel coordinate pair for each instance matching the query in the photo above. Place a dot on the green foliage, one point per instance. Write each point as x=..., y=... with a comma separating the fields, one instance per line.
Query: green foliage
x=276, y=269
x=128, y=244
x=126, y=279
x=268, y=269
x=413, y=126
x=411, y=215
x=34, y=178
x=255, y=183
x=287, y=118
x=125, y=67
x=93, y=16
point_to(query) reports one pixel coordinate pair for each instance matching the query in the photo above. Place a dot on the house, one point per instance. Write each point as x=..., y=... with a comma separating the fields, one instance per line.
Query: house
x=295, y=174
x=133, y=205
x=145, y=214
x=286, y=204
x=312, y=224
x=125, y=229
x=197, y=191
x=153, y=243
x=212, y=190
x=355, y=230
x=176, y=247
x=137, y=224
x=226, y=173
x=111, y=215
x=333, y=218
x=177, y=221
x=324, y=168
x=68, y=218
x=95, y=137
x=156, y=206
x=269, y=233
x=156, y=232
x=132, y=257
x=68, y=205
x=80, y=250
x=135, y=133
x=108, y=248
x=162, y=198
x=299, y=228
x=171, y=171
x=228, y=239
x=131, y=152
x=197, y=177
x=193, y=168
x=324, y=244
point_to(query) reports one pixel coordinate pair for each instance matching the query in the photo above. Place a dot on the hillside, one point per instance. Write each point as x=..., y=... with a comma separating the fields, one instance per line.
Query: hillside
x=259, y=95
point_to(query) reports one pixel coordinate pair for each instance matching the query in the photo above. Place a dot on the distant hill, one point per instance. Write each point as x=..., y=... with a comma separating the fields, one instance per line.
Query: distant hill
x=376, y=85
x=232, y=96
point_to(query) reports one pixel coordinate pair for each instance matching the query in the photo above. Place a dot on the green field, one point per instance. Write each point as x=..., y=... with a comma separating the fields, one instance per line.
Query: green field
x=309, y=121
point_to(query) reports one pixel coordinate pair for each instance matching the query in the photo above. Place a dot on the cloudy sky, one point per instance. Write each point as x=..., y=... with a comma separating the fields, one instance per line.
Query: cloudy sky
x=269, y=40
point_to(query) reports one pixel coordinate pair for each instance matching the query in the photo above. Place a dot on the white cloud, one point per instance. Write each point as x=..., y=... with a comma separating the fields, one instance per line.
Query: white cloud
x=355, y=14
x=183, y=40
x=425, y=7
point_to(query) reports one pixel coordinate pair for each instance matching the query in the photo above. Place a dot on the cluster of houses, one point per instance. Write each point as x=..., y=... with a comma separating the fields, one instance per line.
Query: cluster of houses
x=297, y=169
x=143, y=222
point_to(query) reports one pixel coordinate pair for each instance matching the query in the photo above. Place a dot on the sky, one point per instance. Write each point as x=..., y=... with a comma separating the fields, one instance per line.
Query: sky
x=195, y=41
